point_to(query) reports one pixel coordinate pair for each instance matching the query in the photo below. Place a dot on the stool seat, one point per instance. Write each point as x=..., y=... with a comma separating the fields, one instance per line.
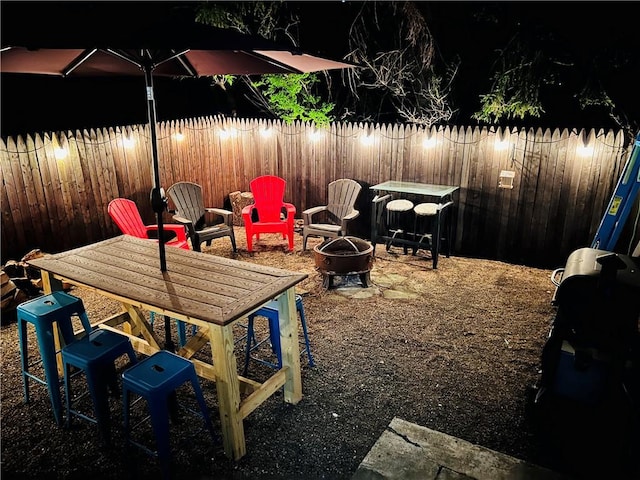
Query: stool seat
x=400, y=205
x=48, y=313
x=95, y=354
x=426, y=209
x=271, y=313
x=156, y=379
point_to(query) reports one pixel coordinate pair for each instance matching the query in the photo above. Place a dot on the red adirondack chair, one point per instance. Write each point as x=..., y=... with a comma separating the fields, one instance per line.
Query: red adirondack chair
x=273, y=214
x=126, y=215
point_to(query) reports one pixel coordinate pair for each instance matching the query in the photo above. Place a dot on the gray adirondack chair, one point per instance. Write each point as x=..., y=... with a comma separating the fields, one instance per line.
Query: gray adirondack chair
x=336, y=215
x=203, y=224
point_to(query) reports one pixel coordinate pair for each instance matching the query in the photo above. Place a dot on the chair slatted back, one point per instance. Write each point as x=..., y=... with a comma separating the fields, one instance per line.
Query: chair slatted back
x=187, y=197
x=125, y=214
x=343, y=194
x=268, y=195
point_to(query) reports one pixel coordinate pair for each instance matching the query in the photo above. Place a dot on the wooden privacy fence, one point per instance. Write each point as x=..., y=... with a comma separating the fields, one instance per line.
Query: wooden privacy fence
x=56, y=187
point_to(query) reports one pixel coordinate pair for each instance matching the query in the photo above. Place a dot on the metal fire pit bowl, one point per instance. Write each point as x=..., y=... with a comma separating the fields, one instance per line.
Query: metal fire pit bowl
x=344, y=256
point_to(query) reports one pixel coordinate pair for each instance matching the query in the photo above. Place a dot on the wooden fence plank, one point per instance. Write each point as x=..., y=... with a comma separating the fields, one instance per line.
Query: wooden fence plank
x=13, y=210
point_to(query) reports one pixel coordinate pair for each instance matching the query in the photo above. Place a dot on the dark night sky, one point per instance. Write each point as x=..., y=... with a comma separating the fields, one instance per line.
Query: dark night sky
x=34, y=103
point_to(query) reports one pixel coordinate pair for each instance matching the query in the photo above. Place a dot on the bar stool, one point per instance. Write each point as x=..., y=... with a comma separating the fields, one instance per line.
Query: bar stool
x=95, y=355
x=433, y=216
x=181, y=327
x=271, y=313
x=425, y=214
x=156, y=379
x=396, y=221
x=182, y=330
x=46, y=313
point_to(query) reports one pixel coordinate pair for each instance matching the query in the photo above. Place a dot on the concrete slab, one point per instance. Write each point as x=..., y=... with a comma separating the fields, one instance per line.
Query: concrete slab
x=406, y=451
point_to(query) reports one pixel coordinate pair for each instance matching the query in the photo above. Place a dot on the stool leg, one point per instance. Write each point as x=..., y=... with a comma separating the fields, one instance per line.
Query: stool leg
x=182, y=333
x=158, y=409
x=274, y=336
x=126, y=405
x=84, y=319
x=67, y=392
x=250, y=337
x=24, y=357
x=98, y=390
x=48, y=352
x=304, y=331
x=203, y=406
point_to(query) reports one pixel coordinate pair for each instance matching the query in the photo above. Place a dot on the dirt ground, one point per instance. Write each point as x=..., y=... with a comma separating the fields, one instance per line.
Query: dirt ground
x=455, y=349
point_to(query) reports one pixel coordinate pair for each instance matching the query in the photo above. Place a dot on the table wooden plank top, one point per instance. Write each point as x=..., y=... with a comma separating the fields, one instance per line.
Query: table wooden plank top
x=197, y=285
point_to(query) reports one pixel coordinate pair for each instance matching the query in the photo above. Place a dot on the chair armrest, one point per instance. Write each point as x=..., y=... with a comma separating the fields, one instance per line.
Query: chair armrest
x=225, y=214
x=353, y=214
x=178, y=230
x=291, y=210
x=248, y=209
x=191, y=229
x=310, y=212
x=182, y=220
x=247, y=214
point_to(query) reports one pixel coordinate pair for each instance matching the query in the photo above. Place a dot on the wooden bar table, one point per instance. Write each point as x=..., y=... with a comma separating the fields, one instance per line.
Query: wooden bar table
x=197, y=288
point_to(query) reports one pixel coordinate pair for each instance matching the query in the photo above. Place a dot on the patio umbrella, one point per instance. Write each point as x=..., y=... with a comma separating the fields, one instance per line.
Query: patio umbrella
x=176, y=47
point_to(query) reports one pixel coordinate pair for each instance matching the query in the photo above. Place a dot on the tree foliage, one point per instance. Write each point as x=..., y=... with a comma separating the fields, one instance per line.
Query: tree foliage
x=291, y=99
x=516, y=87
x=286, y=96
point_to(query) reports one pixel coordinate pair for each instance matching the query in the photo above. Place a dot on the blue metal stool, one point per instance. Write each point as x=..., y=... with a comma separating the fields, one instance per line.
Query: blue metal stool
x=95, y=354
x=181, y=327
x=182, y=330
x=156, y=379
x=45, y=313
x=270, y=312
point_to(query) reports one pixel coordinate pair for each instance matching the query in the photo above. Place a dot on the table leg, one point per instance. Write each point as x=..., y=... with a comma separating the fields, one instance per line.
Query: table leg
x=435, y=240
x=288, y=318
x=51, y=284
x=228, y=390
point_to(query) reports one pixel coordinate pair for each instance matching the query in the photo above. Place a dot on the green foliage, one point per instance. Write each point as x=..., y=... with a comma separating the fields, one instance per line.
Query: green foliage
x=515, y=89
x=289, y=97
x=519, y=74
x=508, y=101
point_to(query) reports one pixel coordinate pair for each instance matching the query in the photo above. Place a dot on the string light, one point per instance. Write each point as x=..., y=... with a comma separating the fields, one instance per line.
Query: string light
x=273, y=127
x=584, y=149
x=315, y=135
x=367, y=138
x=179, y=136
x=58, y=152
x=265, y=132
x=429, y=142
x=500, y=144
x=128, y=142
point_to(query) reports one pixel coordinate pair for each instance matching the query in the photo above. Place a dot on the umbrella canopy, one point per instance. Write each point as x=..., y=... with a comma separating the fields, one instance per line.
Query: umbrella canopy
x=175, y=47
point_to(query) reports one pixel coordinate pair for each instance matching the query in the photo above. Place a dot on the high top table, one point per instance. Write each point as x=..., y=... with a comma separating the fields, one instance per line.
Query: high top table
x=429, y=192
x=197, y=288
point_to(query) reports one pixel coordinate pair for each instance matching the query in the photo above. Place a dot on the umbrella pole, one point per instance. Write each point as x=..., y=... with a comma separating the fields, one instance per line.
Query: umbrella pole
x=158, y=200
